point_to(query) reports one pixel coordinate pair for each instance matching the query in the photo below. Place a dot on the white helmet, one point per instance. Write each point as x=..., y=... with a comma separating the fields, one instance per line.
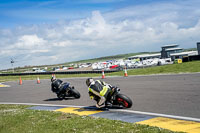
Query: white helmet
x=89, y=81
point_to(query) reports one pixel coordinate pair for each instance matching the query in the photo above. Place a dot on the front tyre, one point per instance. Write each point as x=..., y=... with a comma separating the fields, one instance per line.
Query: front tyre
x=75, y=93
x=124, y=101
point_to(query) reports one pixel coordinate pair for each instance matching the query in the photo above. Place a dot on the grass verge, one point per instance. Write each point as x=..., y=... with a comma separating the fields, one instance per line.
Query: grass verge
x=19, y=119
x=187, y=67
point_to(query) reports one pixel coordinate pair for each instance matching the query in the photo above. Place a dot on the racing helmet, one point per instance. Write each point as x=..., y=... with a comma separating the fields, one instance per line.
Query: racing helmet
x=53, y=79
x=89, y=81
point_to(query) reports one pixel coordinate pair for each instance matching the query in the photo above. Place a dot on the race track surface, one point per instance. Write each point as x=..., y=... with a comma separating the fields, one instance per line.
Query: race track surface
x=166, y=94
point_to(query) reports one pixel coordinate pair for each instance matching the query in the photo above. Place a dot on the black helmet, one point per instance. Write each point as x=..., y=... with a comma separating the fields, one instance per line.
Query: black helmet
x=89, y=81
x=53, y=79
x=57, y=83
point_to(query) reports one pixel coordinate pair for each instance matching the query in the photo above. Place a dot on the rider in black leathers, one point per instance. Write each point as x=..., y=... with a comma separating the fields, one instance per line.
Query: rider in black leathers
x=56, y=85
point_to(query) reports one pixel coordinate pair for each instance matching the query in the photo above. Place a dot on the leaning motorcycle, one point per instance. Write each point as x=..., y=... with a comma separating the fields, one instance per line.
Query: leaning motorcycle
x=118, y=99
x=67, y=91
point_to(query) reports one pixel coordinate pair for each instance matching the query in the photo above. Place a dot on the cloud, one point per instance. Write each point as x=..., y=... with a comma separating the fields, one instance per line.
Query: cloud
x=184, y=13
x=130, y=29
x=29, y=41
x=62, y=44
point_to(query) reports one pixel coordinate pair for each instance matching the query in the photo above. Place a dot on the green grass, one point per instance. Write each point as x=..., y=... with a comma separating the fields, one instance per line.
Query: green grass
x=187, y=67
x=18, y=119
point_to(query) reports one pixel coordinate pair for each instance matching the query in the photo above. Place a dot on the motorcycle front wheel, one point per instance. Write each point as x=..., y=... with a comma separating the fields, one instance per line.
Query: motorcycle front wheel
x=124, y=101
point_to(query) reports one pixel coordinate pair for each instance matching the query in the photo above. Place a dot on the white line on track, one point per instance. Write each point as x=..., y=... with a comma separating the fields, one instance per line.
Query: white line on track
x=114, y=110
x=159, y=115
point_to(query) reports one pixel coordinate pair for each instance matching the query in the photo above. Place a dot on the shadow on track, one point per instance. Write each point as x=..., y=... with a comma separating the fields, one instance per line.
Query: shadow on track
x=59, y=99
x=93, y=108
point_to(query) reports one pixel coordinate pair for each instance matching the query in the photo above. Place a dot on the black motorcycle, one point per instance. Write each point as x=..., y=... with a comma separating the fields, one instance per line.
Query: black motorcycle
x=65, y=90
x=118, y=99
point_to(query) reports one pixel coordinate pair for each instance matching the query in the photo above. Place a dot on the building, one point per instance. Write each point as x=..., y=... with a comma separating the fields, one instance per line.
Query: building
x=182, y=55
x=167, y=50
x=145, y=56
x=198, y=47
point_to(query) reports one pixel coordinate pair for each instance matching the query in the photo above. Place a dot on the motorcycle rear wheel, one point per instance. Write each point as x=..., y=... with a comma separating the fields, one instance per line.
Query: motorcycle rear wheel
x=124, y=101
x=75, y=93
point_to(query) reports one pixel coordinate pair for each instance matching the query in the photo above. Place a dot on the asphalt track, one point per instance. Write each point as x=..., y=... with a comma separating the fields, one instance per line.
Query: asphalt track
x=166, y=94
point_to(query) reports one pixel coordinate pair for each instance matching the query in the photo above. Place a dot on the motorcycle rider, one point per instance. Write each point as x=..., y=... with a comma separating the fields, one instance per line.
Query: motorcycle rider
x=99, y=91
x=63, y=89
x=56, y=85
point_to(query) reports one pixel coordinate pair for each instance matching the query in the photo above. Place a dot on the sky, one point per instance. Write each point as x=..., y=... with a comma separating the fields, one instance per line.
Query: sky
x=44, y=32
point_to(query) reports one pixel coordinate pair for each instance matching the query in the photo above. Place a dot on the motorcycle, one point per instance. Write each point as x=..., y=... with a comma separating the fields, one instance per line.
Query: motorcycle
x=115, y=98
x=118, y=99
x=67, y=91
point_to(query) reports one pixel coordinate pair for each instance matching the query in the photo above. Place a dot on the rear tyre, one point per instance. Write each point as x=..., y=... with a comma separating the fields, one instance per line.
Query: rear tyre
x=75, y=93
x=124, y=101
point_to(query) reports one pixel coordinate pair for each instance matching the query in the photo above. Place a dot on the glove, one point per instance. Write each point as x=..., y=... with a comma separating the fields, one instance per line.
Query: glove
x=92, y=97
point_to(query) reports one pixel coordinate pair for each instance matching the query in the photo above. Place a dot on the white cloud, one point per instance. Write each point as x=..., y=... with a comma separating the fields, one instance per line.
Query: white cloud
x=39, y=51
x=131, y=29
x=30, y=41
x=62, y=44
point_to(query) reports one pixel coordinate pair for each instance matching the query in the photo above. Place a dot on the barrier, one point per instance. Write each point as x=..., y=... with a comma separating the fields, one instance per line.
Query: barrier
x=38, y=80
x=103, y=75
x=20, y=81
x=67, y=72
x=125, y=72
